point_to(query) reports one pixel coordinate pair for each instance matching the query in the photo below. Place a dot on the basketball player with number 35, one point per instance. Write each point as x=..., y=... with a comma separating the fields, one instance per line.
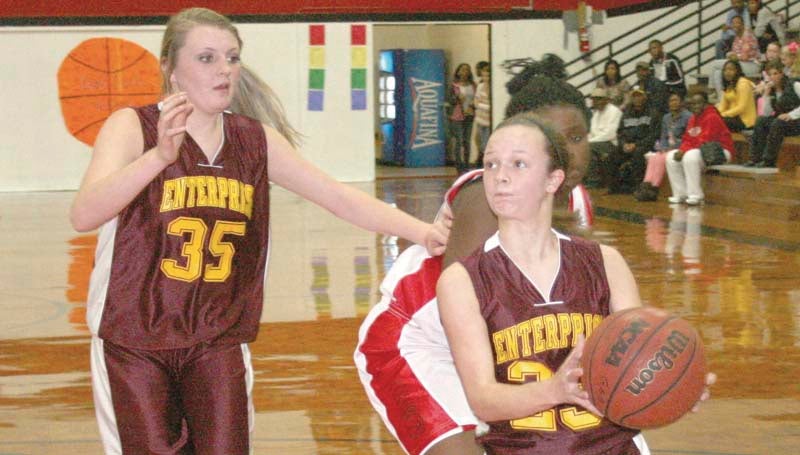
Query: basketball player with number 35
x=180, y=192
x=517, y=311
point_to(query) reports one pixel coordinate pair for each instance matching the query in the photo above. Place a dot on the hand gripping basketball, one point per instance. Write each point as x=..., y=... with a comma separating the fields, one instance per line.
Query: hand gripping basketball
x=175, y=109
x=567, y=379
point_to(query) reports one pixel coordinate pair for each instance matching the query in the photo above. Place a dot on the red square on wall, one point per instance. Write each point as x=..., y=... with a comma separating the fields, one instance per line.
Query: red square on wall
x=358, y=35
x=316, y=35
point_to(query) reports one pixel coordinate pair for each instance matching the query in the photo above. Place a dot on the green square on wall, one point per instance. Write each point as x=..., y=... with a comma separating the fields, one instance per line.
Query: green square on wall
x=316, y=79
x=358, y=78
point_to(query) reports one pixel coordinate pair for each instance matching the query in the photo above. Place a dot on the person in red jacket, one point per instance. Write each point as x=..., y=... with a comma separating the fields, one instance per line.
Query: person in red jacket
x=685, y=165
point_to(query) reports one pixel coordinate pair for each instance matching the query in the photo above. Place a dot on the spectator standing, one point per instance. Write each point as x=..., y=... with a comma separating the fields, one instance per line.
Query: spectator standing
x=616, y=87
x=637, y=133
x=462, y=114
x=655, y=90
x=667, y=68
x=483, y=107
x=673, y=126
x=781, y=117
x=602, y=137
x=723, y=45
x=737, y=105
x=768, y=26
x=685, y=165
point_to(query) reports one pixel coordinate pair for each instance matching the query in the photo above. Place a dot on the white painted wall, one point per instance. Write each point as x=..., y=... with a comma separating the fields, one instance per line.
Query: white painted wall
x=37, y=153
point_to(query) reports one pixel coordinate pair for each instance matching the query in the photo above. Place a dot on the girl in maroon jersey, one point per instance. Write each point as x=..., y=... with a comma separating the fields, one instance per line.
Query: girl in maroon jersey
x=520, y=373
x=181, y=194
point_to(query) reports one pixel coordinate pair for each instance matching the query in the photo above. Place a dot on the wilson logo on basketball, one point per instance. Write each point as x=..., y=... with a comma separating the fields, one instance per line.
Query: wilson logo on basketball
x=673, y=346
x=626, y=338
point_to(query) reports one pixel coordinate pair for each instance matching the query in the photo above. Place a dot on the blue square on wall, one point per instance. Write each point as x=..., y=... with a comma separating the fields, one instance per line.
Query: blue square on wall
x=315, y=100
x=358, y=100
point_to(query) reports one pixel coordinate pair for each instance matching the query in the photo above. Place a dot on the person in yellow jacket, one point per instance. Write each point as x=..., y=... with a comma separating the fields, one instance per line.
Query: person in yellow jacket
x=737, y=105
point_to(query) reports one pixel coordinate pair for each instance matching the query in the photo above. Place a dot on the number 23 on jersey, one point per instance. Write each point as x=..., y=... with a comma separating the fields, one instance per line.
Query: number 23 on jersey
x=571, y=417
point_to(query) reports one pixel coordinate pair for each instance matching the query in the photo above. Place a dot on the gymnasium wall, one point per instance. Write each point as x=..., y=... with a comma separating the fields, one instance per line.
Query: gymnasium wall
x=38, y=153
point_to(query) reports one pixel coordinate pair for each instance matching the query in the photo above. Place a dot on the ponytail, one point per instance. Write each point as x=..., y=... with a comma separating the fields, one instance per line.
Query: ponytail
x=255, y=99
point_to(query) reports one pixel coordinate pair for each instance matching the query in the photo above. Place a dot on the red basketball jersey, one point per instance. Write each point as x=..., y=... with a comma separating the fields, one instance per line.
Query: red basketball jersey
x=531, y=335
x=190, y=251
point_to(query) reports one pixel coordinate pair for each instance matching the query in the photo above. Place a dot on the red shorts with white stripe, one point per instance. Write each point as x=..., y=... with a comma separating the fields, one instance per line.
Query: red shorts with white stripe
x=404, y=361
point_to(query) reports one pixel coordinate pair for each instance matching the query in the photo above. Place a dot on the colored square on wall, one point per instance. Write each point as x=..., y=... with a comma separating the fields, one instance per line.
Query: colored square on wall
x=316, y=35
x=316, y=57
x=358, y=35
x=358, y=57
x=358, y=100
x=316, y=79
x=315, y=100
x=358, y=78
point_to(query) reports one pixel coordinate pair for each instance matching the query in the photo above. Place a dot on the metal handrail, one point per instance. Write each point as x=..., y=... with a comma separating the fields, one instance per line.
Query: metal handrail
x=703, y=17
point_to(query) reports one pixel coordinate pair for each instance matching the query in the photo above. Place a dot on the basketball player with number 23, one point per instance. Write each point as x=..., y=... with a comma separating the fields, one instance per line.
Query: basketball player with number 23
x=518, y=310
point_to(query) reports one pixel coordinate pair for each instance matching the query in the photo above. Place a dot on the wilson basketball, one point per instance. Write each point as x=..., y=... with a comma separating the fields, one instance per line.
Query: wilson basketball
x=644, y=367
x=101, y=75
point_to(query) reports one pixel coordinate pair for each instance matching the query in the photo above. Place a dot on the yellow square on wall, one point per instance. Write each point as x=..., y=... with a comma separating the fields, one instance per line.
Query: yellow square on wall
x=358, y=57
x=316, y=57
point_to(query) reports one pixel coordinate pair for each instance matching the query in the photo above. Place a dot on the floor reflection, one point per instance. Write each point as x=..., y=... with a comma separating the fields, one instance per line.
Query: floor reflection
x=737, y=285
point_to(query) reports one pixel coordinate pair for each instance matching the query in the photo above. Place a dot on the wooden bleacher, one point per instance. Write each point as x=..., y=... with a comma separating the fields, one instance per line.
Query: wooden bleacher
x=767, y=193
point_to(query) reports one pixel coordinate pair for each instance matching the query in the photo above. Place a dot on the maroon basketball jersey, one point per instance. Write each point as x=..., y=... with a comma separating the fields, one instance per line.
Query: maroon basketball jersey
x=190, y=251
x=531, y=335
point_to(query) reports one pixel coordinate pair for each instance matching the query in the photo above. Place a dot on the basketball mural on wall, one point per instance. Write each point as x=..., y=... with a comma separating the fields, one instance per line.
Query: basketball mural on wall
x=101, y=75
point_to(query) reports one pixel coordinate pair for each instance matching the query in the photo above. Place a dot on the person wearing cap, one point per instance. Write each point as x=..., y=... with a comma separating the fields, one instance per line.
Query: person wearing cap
x=667, y=68
x=656, y=91
x=602, y=137
x=637, y=134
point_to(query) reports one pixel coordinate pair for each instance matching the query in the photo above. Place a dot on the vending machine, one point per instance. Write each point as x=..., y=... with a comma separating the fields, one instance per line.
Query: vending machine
x=411, y=89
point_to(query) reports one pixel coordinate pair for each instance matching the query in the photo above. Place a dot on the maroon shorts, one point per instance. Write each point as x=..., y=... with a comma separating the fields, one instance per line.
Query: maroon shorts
x=183, y=401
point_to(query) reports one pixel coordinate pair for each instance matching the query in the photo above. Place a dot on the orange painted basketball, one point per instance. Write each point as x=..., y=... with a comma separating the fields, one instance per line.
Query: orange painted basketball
x=101, y=75
x=644, y=367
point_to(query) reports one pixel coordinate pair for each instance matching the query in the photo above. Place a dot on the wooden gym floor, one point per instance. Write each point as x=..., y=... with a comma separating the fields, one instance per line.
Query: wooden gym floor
x=734, y=276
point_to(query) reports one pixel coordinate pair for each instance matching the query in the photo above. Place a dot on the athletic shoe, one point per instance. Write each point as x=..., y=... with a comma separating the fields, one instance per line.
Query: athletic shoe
x=676, y=199
x=694, y=200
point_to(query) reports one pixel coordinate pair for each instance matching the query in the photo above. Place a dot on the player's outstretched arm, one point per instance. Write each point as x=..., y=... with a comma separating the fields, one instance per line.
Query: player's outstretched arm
x=118, y=170
x=468, y=337
x=289, y=170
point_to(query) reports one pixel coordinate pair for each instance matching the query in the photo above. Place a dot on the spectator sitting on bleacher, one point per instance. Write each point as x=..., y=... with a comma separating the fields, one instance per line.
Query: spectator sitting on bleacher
x=768, y=26
x=602, y=138
x=737, y=106
x=743, y=50
x=723, y=45
x=780, y=119
x=655, y=90
x=685, y=165
x=789, y=59
x=615, y=86
x=773, y=53
x=673, y=126
x=667, y=68
x=637, y=135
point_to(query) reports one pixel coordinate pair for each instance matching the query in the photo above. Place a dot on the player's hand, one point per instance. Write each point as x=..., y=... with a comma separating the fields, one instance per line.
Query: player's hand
x=439, y=232
x=711, y=378
x=175, y=109
x=567, y=380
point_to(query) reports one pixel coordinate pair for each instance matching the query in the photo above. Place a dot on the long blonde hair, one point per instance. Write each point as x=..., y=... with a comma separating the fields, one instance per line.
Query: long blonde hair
x=253, y=98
